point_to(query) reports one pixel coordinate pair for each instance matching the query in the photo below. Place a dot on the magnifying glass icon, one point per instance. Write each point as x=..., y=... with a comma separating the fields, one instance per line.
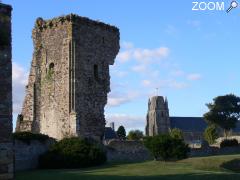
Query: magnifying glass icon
x=233, y=5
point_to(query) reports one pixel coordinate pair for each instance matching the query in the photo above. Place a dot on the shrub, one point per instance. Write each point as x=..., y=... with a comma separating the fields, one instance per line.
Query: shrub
x=176, y=133
x=135, y=135
x=164, y=147
x=228, y=143
x=73, y=153
x=28, y=136
x=210, y=134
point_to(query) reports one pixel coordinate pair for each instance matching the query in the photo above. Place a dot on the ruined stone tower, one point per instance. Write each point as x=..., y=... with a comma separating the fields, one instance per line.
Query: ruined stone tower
x=69, y=78
x=157, y=116
x=6, y=145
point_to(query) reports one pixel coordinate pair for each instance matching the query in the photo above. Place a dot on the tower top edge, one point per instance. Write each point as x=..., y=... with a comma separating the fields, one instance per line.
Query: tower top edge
x=72, y=18
x=6, y=6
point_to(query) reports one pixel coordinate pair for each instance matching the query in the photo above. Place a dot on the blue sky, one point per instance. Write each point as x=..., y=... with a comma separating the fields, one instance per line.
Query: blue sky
x=191, y=56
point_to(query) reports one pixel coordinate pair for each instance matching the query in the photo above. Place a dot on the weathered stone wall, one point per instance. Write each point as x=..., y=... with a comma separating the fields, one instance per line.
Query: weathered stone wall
x=212, y=151
x=94, y=50
x=129, y=151
x=6, y=146
x=69, y=78
x=157, y=116
x=27, y=154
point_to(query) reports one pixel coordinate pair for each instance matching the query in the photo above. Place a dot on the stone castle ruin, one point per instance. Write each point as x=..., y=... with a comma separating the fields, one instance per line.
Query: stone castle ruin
x=69, y=78
x=6, y=144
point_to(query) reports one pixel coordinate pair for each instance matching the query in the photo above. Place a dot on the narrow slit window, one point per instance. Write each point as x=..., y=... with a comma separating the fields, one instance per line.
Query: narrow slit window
x=96, y=72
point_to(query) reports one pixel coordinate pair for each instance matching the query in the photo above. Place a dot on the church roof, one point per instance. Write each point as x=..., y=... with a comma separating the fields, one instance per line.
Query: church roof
x=190, y=124
x=193, y=124
x=109, y=133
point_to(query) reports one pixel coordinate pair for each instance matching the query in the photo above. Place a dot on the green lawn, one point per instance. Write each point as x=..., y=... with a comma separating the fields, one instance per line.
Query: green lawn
x=189, y=169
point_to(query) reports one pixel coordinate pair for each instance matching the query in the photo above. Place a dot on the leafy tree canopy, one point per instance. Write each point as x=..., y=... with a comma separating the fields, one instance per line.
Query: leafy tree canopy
x=176, y=133
x=135, y=135
x=224, y=111
x=210, y=134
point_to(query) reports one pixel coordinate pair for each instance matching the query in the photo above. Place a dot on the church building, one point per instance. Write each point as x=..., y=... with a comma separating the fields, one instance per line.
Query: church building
x=159, y=121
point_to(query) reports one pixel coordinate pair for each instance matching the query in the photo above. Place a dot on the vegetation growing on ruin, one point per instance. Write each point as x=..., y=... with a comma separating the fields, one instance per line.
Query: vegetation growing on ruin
x=28, y=136
x=49, y=75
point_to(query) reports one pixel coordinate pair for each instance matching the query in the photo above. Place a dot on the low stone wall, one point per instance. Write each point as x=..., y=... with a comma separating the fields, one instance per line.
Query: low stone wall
x=130, y=151
x=211, y=151
x=27, y=154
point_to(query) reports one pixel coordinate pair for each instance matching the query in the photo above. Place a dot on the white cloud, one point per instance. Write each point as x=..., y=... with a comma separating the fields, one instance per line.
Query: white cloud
x=119, y=73
x=117, y=99
x=167, y=83
x=177, y=73
x=141, y=68
x=127, y=45
x=194, y=77
x=127, y=120
x=124, y=56
x=145, y=55
x=19, y=81
x=149, y=54
x=146, y=83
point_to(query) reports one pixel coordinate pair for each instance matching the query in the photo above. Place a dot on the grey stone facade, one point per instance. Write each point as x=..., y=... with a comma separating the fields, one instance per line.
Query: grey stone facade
x=69, y=78
x=157, y=116
x=129, y=151
x=6, y=145
x=27, y=154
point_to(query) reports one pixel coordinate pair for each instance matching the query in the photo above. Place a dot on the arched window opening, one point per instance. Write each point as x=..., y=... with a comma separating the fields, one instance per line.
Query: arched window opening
x=50, y=72
x=51, y=66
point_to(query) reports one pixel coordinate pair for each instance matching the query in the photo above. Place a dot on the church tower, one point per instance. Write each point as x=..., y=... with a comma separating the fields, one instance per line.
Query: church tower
x=157, y=116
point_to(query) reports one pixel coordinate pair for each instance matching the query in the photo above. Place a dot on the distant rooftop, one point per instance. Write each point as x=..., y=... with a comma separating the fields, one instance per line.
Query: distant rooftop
x=193, y=124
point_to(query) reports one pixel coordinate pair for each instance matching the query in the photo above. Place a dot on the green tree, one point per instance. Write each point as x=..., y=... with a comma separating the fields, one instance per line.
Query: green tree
x=176, y=133
x=135, y=135
x=121, y=133
x=224, y=112
x=164, y=147
x=210, y=134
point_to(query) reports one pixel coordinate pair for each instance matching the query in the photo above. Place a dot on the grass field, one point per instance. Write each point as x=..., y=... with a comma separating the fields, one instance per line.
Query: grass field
x=189, y=169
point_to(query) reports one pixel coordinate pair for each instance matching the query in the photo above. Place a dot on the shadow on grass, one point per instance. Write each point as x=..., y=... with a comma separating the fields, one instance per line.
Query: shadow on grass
x=233, y=165
x=85, y=176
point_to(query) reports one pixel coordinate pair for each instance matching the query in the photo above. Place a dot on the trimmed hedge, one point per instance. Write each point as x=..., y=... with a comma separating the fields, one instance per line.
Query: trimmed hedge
x=228, y=143
x=73, y=153
x=28, y=136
